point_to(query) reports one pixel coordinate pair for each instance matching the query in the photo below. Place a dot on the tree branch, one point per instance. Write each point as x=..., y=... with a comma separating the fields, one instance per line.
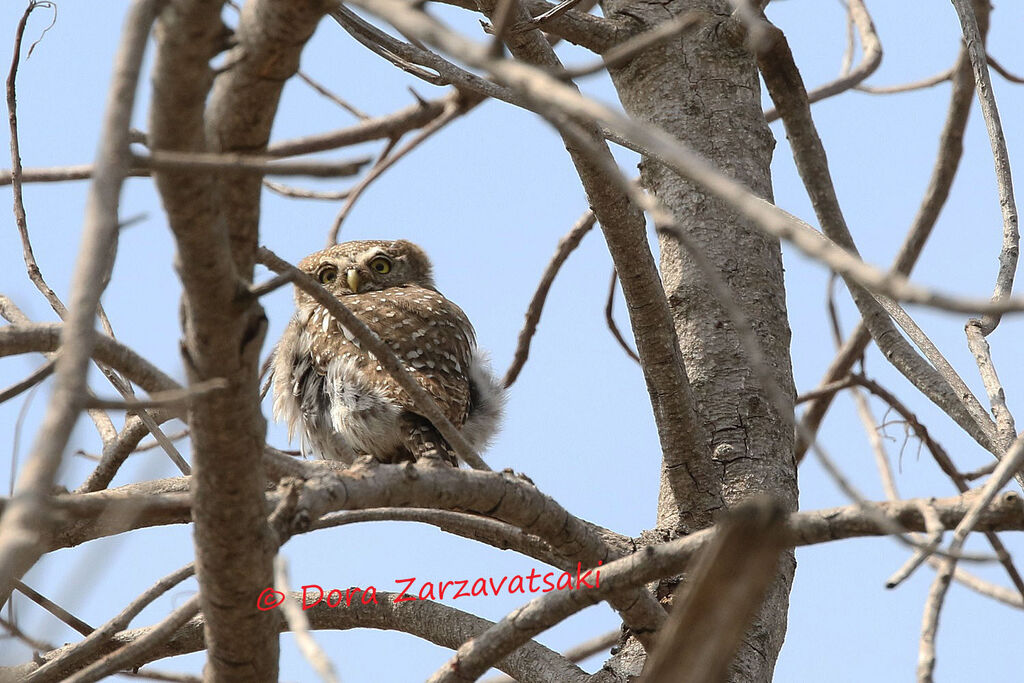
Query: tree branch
x=943, y=172
x=25, y=520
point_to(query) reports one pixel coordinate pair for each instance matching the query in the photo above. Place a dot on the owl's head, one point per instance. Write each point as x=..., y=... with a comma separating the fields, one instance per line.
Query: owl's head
x=367, y=266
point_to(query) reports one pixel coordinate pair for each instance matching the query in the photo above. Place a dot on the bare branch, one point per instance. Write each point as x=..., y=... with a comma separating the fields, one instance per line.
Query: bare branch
x=566, y=246
x=299, y=193
x=161, y=160
x=53, y=608
x=829, y=389
x=118, y=450
x=534, y=663
x=37, y=376
x=299, y=626
x=670, y=558
x=999, y=67
x=454, y=108
x=621, y=53
x=982, y=353
x=943, y=172
x=945, y=463
x=380, y=128
x=174, y=398
x=72, y=657
x=1008, y=255
x=576, y=26
x=935, y=530
x=215, y=221
x=59, y=174
x=48, y=337
x=16, y=172
x=473, y=526
x=333, y=97
x=786, y=88
x=1008, y=466
x=609, y=318
x=134, y=653
x=908, y=87
x=25, y=519
x=713, y=607
x=871, y=48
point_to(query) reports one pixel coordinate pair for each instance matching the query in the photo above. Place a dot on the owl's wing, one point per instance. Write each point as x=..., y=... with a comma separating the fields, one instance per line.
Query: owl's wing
x=432, y=336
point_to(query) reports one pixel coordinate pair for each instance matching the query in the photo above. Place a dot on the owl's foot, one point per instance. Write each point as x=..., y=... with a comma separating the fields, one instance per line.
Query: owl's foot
x=423, y=441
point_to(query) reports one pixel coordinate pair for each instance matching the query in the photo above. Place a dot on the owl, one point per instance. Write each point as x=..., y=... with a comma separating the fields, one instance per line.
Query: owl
x=336, y=396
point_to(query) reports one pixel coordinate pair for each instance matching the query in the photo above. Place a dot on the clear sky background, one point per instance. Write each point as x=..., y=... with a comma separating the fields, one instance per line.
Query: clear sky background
x=489, y=197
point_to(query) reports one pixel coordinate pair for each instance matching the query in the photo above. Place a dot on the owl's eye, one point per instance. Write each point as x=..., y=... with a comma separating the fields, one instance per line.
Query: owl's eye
x=327, y=275
x=381, y=264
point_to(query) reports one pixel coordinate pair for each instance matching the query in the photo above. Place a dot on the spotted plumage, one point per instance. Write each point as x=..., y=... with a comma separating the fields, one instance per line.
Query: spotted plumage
x=336, y=396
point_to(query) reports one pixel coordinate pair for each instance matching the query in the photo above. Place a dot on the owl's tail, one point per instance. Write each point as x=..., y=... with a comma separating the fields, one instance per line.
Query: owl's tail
x=486, y=402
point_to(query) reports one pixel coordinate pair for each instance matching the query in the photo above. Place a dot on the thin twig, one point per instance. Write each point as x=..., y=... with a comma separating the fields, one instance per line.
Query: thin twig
x=944, y=171
x=907, y=87
x=102, y=421
x=127, y=656
x=553, y=13
x=566, y=246
x=1009, y=253
x=33, y=643
x=353, y=193
x=299, y=626
x=982, y=352
x=174, y=398
x=945, y=463
x=626, y=50
x=53, y=608
x=161, y=160
x=150, y=445
x=871, y=57
x=609, y=318
x=454, y=110
x=370, y=37
x=1011, y=463
x=980, y=472
x=59, y=174
x=264, y=288
x=16, y=172
x=320, y=88
x=1003, y=72
x=829, y=389
x=79, y=653
x=935, y=530
x=302, y=193
x=25, y=518
x=37, y=376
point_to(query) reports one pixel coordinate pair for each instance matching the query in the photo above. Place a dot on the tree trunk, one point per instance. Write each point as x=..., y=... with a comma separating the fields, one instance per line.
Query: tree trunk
x=703, y=88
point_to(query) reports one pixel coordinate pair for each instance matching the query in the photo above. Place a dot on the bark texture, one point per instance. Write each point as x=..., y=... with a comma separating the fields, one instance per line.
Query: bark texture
x=703, y=88
x=215, y=218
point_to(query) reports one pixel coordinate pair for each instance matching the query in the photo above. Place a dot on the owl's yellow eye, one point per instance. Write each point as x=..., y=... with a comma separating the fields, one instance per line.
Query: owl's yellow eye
x=327, y=275
x=381, y=264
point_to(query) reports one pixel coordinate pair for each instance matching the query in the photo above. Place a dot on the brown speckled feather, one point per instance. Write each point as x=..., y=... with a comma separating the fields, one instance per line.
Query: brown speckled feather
x=430, y=334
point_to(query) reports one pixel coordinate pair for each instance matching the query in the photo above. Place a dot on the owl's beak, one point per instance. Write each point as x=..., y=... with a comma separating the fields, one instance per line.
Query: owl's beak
x=352, y=278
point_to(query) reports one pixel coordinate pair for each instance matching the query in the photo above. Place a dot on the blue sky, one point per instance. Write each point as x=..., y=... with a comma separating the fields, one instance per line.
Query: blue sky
x=488, y=198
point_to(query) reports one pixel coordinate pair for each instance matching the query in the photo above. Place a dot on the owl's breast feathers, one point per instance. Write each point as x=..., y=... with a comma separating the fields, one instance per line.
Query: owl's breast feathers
x=431, y=335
